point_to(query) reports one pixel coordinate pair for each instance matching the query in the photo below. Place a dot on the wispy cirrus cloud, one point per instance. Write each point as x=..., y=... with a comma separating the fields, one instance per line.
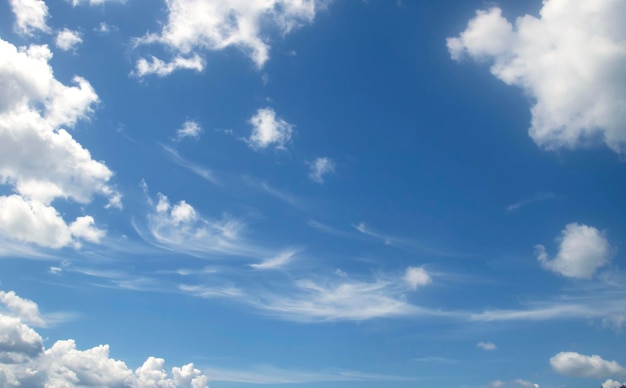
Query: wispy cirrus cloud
x=539, y=197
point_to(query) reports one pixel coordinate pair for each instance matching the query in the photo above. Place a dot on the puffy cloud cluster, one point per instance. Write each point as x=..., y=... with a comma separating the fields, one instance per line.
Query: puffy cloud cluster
x=571, y=60
x=24, y=362
x=612, y=384
x=34, y=108
x=30, y=16
x=68, y=39
x=189, y=129
x=195, y=25
x=579, y=365
x=582, y=250
x=269, y=130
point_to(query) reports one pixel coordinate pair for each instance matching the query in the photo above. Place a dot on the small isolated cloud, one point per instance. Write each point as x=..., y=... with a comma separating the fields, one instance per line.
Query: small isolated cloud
x=416, y=277
x=161, y=68
x=189, y=129
x=268, y=130
x=68, y=40
x=194, y=26
x=518, y=383
x=570, y=61
x=488, y=346
x=578, y=365
x=319, y=168
x=276, y=262
x=582, y=250
x=25, y=362
x=30, y=16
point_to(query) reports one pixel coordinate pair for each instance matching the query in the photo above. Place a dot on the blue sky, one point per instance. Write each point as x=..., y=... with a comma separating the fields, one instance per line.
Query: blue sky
x=312, y=193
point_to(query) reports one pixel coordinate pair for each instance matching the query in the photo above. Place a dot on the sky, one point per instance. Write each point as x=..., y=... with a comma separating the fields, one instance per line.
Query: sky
x=312, y=193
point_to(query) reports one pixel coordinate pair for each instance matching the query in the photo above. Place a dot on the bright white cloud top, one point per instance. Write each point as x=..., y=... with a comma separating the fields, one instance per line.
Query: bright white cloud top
x=569, y=60
x=197, y=25
x=68, y=40
x=30, y=16
x=269, y=130
x=582, y=250
x=580, y=365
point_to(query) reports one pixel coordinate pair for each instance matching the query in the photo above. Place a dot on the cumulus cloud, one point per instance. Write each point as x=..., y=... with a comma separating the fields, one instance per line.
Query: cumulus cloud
x=197, y=25
x=24, y=309
x=189, y=129
x=30, y=16
x=25, y=362
x=269, y=130
x=612, y=384
x=416, y=277
x=488, y=346
x=68, y=40
x=34, y=108
x=319, y=168
x=582, y=250
x=579, y=365
x=518, y=383
x=570, y=60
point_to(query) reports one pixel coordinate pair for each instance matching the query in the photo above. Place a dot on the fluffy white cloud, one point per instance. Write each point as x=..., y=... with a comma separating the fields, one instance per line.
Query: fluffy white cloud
x=34, y=222
x=30, y=16
x=612, y=384
x=571, y=61
x=582, y=250
x=416, y=277
x=488, y=346
x=68, y=40
x=34, y=106
x=161, y=68
x=268, y=130
x=189, y=129
x=319, y=168
x=24, y=309
x=25, y=363
x=518, y=383
x=195, y=25
x=579, y=365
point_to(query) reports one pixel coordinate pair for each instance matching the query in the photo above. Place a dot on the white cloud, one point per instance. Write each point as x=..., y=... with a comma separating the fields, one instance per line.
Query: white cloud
x=339, y=299
x=23, y=309
x=416, y=277
x=181, y=228
x=161, y=68
x=276, y=262
x=30, y=16
x=612, y=384
x=319, y=168
x=196, y=25
x=34, y=222
x=578, y=365
x=571, y=61
x=518, y=383
x=34, y=106
x=68, y=40
x=488, y=346
x=189, y=129
x=25, y=362
x=582, y=250
x=540, y=197
x=268, y=130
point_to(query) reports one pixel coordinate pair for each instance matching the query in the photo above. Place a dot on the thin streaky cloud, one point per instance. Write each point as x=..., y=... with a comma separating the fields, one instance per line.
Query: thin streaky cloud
x=540, y=197
x=201, y=171
x=331, y=230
